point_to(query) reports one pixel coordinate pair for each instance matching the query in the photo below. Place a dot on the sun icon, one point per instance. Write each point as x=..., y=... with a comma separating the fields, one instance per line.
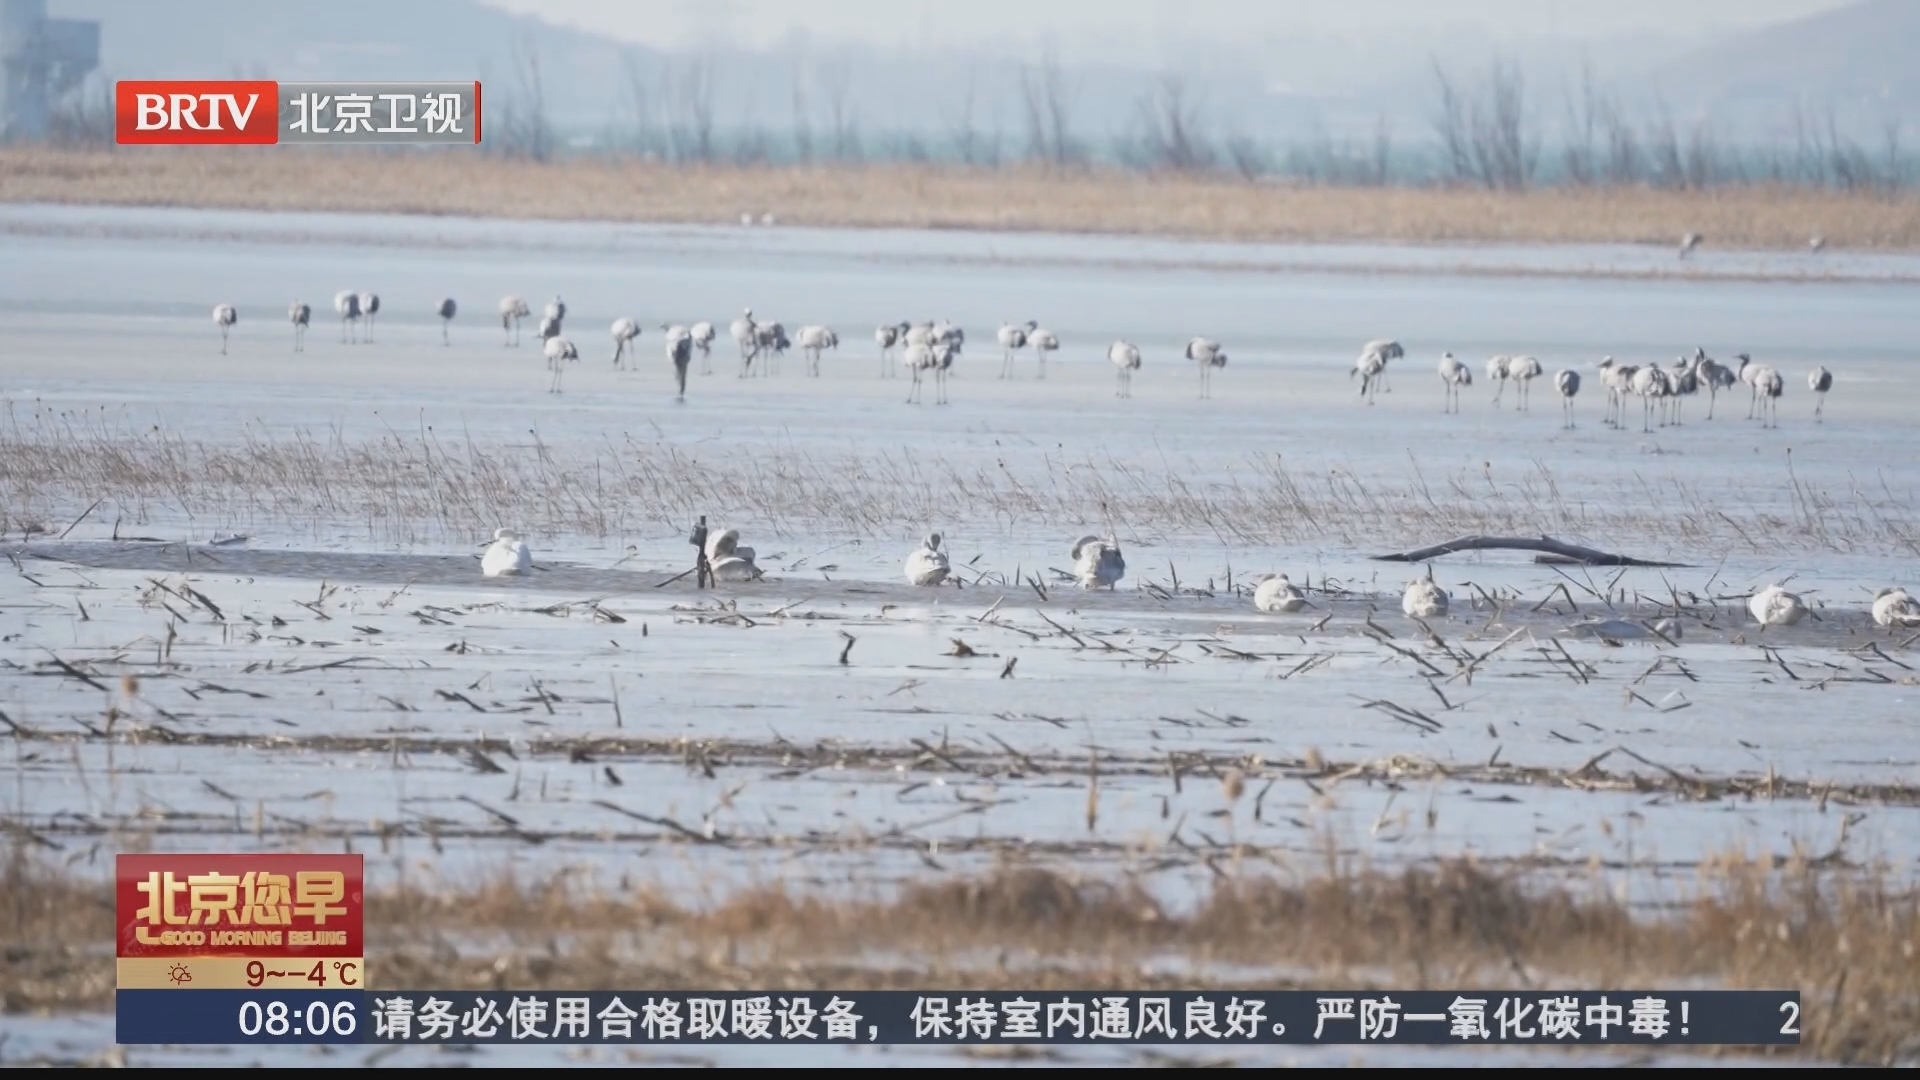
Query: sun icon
x=178, y=973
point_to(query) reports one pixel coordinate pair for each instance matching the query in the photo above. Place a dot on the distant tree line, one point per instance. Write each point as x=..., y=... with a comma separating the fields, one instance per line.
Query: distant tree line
x=1488, y=130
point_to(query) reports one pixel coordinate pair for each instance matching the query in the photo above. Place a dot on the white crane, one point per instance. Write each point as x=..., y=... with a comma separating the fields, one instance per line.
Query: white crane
x=1276, y=594
x=1816, y=243
x=549, y=328
x=1043, y=341
x=1372, y=369
x=1747, y=373
x=920, y=333
x=1208, y=355
x=729, y=559
x=1568, y=383
x=1497, y=374
x=1771, y=386
x=1126, y=360
x=1386, y=349
x=624, y=331
x=1618, y=380
x=1682, y=384
x=557, y=309
x=1013, y=338
x=445, y=310
x=1423, y=599
x=1651, y=384
x=1713, y=375
x=814, y=339
x=1453, y=376
x=224, y=317
x=507, y=556
x=949, y=333
x=679, y=341
x=558, y=350
x=927, y=564
x=1819, y=380
x=1523, y=370
x=920, y=359
x=770, y=338
x=1895, y=609
x=702, y=335
x=1097, y=562
x=742, y=332
x=1689, y=242
x=1775, y=606
x=369, y=307
x=512, y=310
x=887, y=337
x=347, y=304
x=299, y=315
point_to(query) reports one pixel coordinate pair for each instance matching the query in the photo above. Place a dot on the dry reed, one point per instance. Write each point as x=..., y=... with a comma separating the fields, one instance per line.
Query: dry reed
x=908, y=196
x=401, y=486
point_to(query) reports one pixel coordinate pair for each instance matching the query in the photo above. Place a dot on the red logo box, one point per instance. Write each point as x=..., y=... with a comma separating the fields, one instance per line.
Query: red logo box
x=198, y=113
x=239, y=905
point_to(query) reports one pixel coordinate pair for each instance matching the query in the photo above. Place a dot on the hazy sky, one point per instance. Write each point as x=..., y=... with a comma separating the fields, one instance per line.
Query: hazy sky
x=1135, y=25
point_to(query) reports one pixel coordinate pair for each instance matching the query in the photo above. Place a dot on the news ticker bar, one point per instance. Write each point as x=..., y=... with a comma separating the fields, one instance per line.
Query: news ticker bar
x=901, y=1017
x=260, y=113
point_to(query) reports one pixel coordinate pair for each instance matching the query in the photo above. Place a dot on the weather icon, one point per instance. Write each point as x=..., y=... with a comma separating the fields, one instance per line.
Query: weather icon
x=178, y=974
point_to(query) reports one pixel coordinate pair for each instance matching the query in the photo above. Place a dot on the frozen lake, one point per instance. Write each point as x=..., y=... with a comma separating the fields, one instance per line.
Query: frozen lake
x=125, y=418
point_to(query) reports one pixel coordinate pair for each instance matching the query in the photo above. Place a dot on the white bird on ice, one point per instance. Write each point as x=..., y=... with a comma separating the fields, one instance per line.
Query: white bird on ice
x=1424, y=599
x=1276, y=593
x=1894, y=607
x=508, y=555
x=1097, y=562
x=728, y=559
x=927, y=565
x=1775, y=606
x=224, y=318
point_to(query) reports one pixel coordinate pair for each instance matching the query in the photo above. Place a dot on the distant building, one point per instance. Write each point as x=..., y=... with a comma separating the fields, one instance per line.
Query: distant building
x=40, y=59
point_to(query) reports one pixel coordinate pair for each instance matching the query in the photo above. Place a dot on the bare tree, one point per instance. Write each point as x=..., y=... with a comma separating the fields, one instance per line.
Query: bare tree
x=846, y=137
x=1451, y=124
x=1890, y=135
x=1485, y=136
x=1171, y=128
x=530, y=135
x=802, y=127
x=1579, y=156
x=966, y=138
x=1049, y=108
x=689, y=93
x=1247, y=156
x=1382, y=162
x=640, y=103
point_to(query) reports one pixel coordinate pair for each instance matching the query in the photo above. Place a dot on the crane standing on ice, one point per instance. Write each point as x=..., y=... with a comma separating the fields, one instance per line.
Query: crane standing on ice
x=299, y=315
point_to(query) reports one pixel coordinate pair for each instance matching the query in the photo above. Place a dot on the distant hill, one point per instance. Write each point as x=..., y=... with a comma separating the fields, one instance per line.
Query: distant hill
x=351, y=40
x=1859, y=59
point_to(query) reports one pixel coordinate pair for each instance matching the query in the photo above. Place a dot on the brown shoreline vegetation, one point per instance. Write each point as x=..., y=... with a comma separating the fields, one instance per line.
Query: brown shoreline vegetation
x=1083, y=200
x=1846, y=939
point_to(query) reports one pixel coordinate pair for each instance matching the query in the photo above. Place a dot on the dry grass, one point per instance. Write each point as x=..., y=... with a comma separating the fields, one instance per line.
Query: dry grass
x=1845, y=940
x=401, y=487
x=463, y=183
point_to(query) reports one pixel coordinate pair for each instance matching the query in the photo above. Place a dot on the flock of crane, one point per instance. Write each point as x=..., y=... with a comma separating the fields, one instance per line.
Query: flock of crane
x=929, y=349
x=1661, y=391
x=925, y=349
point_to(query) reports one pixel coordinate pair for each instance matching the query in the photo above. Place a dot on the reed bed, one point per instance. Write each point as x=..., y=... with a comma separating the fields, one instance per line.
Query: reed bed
x=412, y=487
x=1845, y=939
x=309, y=179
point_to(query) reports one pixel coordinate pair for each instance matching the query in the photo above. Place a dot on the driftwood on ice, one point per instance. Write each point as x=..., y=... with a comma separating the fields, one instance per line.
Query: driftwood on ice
x=1552, y=551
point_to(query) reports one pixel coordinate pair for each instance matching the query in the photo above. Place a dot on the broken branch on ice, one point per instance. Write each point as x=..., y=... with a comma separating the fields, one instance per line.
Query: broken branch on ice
x=1551, y=551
